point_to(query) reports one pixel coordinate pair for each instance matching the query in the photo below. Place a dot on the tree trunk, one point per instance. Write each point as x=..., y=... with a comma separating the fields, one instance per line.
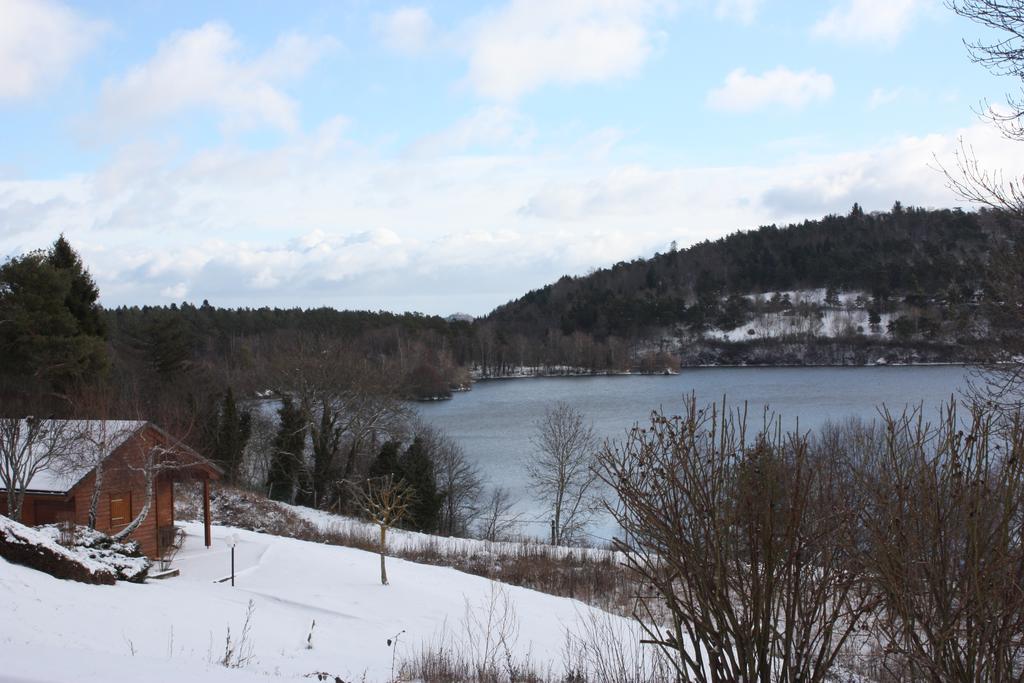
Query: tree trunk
x=14, y=501
x=134, y=524
x=383, y=549
x=94, y=500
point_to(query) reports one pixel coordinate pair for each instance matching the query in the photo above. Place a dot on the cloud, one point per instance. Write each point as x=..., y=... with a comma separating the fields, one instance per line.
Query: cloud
x=883, y=96
x=528, y=44
x=743, y=92
x=307, y=222
x=743, y=11
x=878, y=21
x=487, y=127
x=175, y=292
x=200, y=70
x=407, y=30
x=39, y=41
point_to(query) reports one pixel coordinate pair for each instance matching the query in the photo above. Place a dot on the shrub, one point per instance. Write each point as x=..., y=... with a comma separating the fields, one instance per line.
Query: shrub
x=23, y=545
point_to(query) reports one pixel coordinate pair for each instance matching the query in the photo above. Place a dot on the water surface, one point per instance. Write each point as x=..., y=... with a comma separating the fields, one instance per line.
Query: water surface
x=495, y=421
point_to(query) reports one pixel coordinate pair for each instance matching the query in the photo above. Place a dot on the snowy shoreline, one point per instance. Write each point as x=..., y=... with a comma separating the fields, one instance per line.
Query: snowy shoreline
x=707, y=366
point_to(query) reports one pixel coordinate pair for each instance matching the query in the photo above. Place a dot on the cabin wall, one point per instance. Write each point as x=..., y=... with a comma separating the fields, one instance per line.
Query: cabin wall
x=42, y=508
x=124, y=479
x=122, y=495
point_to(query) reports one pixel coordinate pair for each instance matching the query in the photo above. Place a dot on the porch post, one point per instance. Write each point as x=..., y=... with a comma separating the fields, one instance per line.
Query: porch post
x=206, y=511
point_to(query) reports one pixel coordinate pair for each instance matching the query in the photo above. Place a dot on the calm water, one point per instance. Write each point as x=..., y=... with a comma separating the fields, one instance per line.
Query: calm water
x=494, y=421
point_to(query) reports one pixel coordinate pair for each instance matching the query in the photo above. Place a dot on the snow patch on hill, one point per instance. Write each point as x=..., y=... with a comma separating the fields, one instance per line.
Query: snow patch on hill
x=809, y=315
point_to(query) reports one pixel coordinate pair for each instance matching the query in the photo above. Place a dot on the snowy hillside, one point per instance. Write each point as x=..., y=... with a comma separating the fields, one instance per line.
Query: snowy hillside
x=807, y=312
x=176, y=629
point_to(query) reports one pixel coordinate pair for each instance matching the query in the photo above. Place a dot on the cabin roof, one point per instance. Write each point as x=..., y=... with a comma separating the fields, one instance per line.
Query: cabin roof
x=90, y=442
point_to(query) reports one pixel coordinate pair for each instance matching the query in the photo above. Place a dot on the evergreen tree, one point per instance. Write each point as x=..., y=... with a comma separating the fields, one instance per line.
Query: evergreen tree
x=386, y=462
x=83, y=295
x=166, y=343
x=233, y=429
x=874, y=319
x=41, y=339
x=289, y=447
x=417, y=470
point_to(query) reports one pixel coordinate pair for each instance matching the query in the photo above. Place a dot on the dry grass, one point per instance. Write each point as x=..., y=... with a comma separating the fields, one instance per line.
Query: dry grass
x=480, y=650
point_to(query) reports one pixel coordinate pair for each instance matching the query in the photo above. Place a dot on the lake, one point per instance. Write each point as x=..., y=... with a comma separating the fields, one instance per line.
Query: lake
x=495, y=421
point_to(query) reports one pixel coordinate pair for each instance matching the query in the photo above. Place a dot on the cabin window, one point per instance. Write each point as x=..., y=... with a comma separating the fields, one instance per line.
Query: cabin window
x=120, y=509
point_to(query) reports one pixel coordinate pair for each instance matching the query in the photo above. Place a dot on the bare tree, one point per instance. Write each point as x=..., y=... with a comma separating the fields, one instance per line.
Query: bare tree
x=384, y=501
x=1003, y=56
x=942, y=517
x=259, y=450
x=562, y=472
x=747, y=546
x=28, y=446
x=96, y=439
x=497, y=516
x=155, y=458
x=1002, y=380
x=458, y=481
x=349, y=404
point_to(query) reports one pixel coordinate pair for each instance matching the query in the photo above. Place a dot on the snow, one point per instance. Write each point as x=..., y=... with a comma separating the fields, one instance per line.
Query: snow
x=832, y=322
x=122, y=558
x=16, y=533
x=401, y=540
x=175, y=629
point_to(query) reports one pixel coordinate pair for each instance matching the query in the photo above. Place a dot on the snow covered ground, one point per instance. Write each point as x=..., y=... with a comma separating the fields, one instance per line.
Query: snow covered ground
x=175, y=629
x=401, y=540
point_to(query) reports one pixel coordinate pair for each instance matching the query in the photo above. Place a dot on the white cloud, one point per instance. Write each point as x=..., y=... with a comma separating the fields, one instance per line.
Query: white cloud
x=882, y=21
x=531, y=43
x=487, y=127
x=407, y=30
x=743, y=11
x=39, y=41
x=175, y=292
x=882, y=96
x=743, y=91
x=200, y=69
x=309, y=223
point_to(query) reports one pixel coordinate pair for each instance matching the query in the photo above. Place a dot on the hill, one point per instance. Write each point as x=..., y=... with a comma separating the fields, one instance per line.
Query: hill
x=910, y=280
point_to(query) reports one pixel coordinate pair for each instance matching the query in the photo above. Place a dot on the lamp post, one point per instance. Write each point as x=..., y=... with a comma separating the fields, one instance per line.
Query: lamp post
x=233, y=540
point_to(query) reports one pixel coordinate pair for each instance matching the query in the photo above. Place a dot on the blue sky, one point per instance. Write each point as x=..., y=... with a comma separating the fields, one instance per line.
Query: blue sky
x=449, y=156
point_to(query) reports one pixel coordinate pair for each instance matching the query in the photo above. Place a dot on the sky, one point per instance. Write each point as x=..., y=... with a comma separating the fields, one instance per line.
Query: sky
x=449, y=156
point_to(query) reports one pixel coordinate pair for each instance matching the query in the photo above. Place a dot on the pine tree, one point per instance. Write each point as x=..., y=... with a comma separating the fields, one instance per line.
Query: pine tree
x=41, y=339
x=417, y=470
x=386, y=462
x=232, y=434
x=83, y=295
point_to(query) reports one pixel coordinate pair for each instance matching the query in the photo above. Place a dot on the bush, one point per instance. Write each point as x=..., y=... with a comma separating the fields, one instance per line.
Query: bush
x=26, y=546
x=124, y=558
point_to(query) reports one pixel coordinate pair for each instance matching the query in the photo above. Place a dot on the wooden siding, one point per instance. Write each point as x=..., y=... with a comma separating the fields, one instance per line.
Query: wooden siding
x=40, y=508
x=122, y=474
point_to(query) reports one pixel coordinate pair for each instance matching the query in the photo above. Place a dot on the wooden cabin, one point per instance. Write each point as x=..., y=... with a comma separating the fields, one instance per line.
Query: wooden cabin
x=124, y=450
